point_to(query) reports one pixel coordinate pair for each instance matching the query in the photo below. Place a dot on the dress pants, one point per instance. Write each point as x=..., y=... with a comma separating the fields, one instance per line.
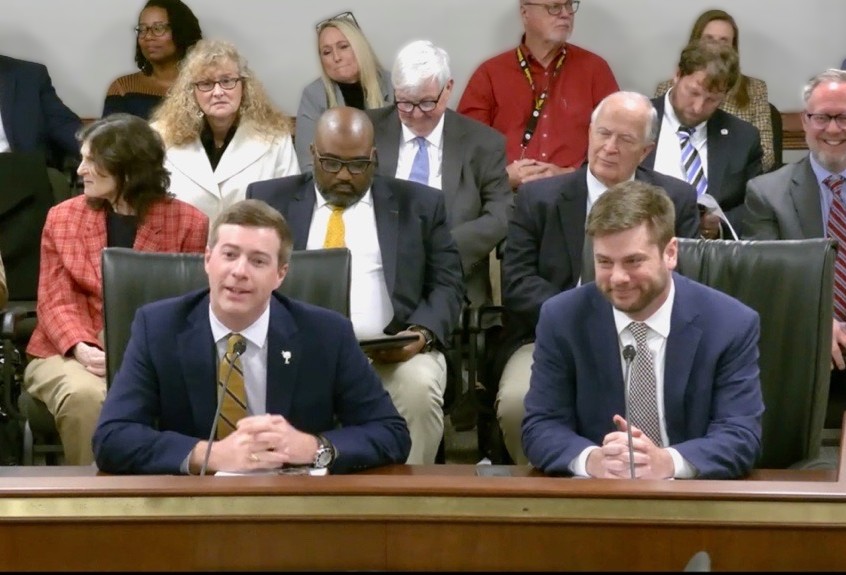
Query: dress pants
x=513, y=386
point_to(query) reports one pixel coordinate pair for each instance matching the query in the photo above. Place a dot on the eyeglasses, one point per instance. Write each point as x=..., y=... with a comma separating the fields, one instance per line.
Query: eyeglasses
x=555, y=9
x=348, y=16
x=225, y=83
x=821, y=121
x=157, y=29
x=425, y=106
x=334, y=165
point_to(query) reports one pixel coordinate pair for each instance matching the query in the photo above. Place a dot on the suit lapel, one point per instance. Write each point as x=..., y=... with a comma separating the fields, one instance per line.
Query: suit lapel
x=718, y=154
x=386, y=209
x=300, y=212
x=191, y=160
x=198, y=360
x=388, y=152
x=605, y=351
x=658, y=104
x=284, y=355
x=453, y=156
x=245, y=149
x=7, y=97
x=572, y=211
x=149, y=236
x=805, y=192
x=94, y=221
x=682, y=345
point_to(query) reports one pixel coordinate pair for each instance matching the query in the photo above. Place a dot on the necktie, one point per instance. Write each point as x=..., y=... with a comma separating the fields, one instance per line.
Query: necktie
x=420, y=166
x=837, y=230
x=691, y=162
x=234, y=406
x=643, y=394
x=335, y=230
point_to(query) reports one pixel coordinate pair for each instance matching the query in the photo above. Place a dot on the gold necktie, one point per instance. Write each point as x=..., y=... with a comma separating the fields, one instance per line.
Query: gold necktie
x=335, y=230
x=234, y=406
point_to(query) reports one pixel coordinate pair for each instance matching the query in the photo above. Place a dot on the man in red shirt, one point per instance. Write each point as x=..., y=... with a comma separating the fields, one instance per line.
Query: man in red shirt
x=541, y=94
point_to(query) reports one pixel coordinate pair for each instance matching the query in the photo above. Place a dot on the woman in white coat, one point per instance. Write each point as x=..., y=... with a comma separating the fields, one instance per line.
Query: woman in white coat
x=220, y=129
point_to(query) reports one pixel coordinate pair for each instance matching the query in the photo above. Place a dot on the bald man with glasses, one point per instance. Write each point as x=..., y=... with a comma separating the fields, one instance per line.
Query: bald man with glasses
x=406, y=270
x=541, y=94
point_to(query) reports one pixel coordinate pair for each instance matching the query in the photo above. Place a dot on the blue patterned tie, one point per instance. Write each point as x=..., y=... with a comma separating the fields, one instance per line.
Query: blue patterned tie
x=691, y=162
x=420, y=166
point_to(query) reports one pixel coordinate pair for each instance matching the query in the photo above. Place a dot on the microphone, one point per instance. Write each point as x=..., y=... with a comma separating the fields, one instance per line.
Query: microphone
x=239, y=348
x=629, y=355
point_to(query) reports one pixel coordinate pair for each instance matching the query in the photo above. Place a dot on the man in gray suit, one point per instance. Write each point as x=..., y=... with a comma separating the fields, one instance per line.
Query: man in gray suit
x=801, y=200
x=419, y=139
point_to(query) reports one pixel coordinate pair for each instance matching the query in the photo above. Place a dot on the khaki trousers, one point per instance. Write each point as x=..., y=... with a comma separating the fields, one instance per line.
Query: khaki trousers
x=510, y=410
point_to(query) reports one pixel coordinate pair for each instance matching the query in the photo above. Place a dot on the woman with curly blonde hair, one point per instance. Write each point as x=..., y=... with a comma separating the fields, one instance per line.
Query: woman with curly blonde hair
x=220, y=129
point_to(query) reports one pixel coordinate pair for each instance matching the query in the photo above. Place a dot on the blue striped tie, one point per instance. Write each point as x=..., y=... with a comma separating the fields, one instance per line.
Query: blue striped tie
x=420, y=166
x=691, y=162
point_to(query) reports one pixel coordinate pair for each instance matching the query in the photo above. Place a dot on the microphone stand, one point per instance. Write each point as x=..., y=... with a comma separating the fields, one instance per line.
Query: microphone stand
x=240, y=348
x=629, y=353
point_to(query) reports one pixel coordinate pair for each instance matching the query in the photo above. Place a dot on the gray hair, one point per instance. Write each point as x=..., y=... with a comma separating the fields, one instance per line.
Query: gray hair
x=830, y=75
x=419, y=62
x=652, y=125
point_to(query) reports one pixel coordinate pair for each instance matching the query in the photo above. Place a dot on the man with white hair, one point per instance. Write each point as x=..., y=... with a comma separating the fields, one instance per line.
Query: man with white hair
x=419, y=139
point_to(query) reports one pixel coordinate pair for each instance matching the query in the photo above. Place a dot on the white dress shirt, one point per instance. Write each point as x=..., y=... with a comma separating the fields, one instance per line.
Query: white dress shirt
x=659, y=331
x=408, y=149
x=668, y=152
x=371, y=309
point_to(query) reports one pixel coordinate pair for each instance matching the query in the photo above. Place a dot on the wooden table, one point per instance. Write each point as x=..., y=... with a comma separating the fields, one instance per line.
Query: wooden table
x=417, y=517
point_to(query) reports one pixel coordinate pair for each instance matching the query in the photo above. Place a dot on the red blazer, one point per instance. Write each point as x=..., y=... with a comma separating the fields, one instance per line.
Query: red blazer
x=70, y=285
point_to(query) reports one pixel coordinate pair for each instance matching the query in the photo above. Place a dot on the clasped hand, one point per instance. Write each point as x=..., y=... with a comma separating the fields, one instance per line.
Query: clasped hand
x=611, y=460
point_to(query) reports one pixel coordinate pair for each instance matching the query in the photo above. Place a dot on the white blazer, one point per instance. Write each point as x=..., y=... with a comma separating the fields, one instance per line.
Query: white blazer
x=249, y=157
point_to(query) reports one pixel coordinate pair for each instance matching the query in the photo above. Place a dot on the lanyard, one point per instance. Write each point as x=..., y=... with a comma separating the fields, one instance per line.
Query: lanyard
x=539, y=100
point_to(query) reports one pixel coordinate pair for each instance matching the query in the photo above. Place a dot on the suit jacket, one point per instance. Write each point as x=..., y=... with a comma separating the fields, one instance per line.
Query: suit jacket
x=784, y=205
x=419, y=258
x=70, y=284
x=34, y=117
x=543, y=252
x=164, y=396
x=475, y=185
x=313, y=103
x=249, y=157
x=734, y=157
x=712, y=389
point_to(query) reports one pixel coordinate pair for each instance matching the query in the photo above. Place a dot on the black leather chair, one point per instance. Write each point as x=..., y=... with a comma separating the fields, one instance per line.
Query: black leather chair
x=789, y=283
x=778, y=137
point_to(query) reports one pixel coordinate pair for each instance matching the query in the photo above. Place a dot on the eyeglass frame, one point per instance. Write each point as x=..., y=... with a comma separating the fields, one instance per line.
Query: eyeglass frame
x=344, y=163
x=434, y=103
x=347, y=16
x=557, y=6
x=143, y=29
x=218, y=82
x=839, y=119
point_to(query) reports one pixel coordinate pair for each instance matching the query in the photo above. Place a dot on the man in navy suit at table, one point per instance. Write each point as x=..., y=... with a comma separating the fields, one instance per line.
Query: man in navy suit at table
x=300, y=390
x=34, y=119
x=691, y=353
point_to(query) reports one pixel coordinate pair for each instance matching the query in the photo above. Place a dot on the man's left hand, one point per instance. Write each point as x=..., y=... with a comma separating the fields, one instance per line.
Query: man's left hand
x=651, y=461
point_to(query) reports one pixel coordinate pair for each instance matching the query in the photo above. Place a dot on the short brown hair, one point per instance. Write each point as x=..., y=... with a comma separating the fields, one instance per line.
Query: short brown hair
x=719, y=62
x=629, y=204
x=256, y=214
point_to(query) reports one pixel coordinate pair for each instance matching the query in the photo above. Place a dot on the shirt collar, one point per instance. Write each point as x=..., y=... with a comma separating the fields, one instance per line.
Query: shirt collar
x=597, y=188
x=255, y=333
x=672, y=121
x=531, y=57
x=658, y=322
x=435, y=138
x=820, y=172
x=366, y=199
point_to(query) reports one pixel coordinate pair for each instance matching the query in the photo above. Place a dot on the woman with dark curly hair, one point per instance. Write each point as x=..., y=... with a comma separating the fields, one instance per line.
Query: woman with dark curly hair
x=166, y=30
x=125, y=203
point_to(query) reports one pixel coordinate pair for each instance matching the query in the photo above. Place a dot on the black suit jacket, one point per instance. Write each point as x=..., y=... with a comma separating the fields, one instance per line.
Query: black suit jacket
x=34, y=118
x=477, y=195
x=734, y=157
x=420, y=261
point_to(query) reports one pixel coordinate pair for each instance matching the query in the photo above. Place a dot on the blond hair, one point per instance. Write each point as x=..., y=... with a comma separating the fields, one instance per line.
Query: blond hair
x=179, y=117
x=368, y=64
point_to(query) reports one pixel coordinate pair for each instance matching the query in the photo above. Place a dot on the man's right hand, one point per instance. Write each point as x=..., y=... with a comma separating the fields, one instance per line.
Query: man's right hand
x=520, y=170
x=92, y=358
x=838, y=344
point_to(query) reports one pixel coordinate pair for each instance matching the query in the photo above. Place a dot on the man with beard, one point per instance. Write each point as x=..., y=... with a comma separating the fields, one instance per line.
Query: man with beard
x=406, y=270
x=802, y=200
x=695, y=395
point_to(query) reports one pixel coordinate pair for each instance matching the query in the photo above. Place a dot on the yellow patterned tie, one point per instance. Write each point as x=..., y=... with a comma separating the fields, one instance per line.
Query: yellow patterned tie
x=234, y=406
x=335, y=230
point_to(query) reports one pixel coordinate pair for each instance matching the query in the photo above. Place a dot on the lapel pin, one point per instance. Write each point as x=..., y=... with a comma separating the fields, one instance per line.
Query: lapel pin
x=724, y=132
x=286, y=355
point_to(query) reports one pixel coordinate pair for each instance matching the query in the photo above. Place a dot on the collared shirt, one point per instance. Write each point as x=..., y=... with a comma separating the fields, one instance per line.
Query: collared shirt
x=254, y=359
x=596, y=189
x=498, y=94
x=435, y=149
x=668, y=152
x=659, y=326
x=371, y=309
x=826, y=195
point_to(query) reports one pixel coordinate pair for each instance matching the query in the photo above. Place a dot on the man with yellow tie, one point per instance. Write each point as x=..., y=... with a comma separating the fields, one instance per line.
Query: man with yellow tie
x=406, y=269
x=295, y=387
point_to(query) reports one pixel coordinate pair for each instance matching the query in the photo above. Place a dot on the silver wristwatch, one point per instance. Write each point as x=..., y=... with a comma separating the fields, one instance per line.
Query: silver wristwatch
x=325, y=454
